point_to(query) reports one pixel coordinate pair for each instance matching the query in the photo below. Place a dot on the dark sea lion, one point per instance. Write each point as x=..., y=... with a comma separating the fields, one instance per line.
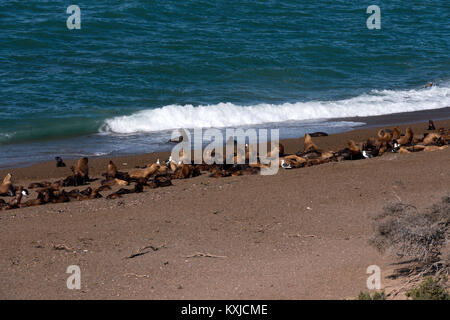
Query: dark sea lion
x=160, y=181
x=318, y=134
x=431, y=125
x=384, y=135
x=432, y=139
x=59, y=162
x=281, y=149
x=176, y=140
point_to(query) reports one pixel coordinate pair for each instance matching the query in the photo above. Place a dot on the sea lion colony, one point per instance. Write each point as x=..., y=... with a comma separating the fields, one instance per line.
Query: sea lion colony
x=158, y=174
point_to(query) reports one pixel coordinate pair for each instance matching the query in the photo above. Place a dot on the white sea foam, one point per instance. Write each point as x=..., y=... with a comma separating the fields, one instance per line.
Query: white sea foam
x=230, y=115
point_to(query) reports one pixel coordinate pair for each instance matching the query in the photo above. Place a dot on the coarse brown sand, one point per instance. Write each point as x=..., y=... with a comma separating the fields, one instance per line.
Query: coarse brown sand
x=301, y=234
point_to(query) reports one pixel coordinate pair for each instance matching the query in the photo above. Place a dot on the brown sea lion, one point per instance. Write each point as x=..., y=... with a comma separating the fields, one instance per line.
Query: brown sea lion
x=432, y=139
x=403, y=150
x=384, y=136
x=407, y=138
x=185, y=171
x=111, y=170
x=121, y=182
x=176, y=140
x=144, y=173
x=310, y=146
x=81, y=168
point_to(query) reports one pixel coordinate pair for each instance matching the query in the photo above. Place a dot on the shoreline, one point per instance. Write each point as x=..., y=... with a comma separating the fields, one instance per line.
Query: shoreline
x=401, y=119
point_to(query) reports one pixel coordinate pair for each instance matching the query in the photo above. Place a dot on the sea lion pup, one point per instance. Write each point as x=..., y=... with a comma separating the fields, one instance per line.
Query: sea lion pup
x=407, y=138
x=59, y=162
x=432, y=139
x=431, y=125
x=144, y=173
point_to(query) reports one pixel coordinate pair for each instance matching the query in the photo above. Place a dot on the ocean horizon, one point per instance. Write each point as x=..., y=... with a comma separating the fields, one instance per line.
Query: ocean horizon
x=136, y=71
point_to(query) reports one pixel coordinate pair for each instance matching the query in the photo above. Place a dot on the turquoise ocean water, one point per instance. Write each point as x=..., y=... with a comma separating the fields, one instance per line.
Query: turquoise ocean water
x=138, y=69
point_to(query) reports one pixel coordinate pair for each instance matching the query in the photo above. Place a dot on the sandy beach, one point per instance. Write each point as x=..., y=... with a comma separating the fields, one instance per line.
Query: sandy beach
x=301, y=234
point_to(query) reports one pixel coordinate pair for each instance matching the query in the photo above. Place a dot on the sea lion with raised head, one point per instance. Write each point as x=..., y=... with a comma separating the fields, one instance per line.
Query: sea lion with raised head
x=431, y=125
x=82, y=169
x=59, y=162
x=407, y=138
x=7, y=188
x=309, y=145
x=111, y=172
x=15, y=203
x=396, y=133
x=355, y=152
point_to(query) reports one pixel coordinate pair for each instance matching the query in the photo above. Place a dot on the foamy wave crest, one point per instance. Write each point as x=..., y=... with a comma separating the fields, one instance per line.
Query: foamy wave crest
x=231, y=115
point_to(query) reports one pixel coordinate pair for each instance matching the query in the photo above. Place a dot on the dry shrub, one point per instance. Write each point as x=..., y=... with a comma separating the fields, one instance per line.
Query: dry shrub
x=403, y=230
